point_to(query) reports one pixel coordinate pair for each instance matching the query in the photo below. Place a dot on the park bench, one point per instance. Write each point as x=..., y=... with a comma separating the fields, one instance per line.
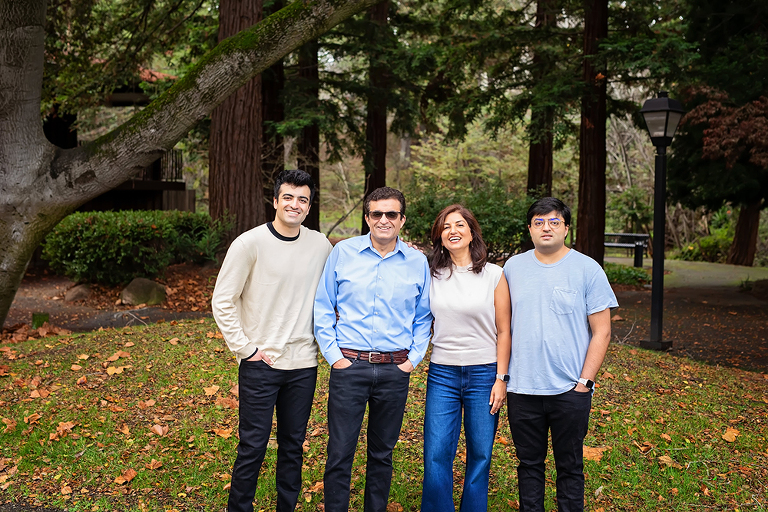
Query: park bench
x=636, y=241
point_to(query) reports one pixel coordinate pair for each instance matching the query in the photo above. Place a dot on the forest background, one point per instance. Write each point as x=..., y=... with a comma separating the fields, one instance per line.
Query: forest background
x=485, y=102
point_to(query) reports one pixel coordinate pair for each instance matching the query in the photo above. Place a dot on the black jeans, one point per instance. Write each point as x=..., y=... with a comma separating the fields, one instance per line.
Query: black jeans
x=530, y=419
x=262, y=390
x=384, y=388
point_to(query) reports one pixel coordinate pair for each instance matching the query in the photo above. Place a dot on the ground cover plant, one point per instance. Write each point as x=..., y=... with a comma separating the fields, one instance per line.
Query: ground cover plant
x=145, y=418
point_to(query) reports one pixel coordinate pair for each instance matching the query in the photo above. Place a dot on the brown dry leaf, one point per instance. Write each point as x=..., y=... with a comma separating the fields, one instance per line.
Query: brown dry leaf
x=503, y=440
x=226, y=433
x=32, y=419
x=114, y=357
x=115, y=408
x=160, y=430
x=75, y=367
x=83, y=357
x=66, y=490
x=143, y=404
x=617, y=318
x=209, y=334
x=128, y=475
x=594, y=453
x=82, y=380
x=154, y=464
x=608, y=375
x=669, y=462
x=227, y=486
x=394, y=507
x=705, y=490
x=34, y=394
x=305, y=445
x=125, y=430
x=173, y=341
x=235, y=390
x=666, y=437
x=129, y=344
x=10, y=425
x=211, y=390
x=123, y=354
x=65, y=426
x=645, y=447
x=731, y=434
x=227, y=403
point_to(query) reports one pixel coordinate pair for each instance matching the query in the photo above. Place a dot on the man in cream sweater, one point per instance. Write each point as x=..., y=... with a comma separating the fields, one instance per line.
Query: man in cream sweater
x=262, y=304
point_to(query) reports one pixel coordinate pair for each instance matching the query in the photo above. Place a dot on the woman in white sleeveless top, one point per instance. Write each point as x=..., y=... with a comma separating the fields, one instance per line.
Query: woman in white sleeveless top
x=469, y=299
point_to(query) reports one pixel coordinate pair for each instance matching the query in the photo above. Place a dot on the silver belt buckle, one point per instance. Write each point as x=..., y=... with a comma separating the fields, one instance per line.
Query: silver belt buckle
x=373, y=353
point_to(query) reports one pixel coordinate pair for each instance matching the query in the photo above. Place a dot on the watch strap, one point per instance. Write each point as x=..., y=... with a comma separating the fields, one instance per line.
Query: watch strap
x=586, y=382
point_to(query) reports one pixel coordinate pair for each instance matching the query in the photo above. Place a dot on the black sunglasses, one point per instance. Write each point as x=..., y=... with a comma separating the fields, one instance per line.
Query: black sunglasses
x=376, y=215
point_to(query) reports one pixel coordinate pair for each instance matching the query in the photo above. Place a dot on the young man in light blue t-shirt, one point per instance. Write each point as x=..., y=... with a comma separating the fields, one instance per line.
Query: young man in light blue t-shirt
x=561, y=327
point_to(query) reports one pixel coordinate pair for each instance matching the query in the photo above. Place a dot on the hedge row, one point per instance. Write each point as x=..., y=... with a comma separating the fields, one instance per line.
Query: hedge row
x=114, y=247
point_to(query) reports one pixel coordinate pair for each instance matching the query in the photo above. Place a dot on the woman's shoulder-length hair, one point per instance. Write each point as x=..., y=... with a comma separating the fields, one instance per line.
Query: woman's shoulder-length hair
x=440, y=258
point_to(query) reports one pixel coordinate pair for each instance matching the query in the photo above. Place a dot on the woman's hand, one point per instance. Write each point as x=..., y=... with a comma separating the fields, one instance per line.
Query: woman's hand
x=498, y=395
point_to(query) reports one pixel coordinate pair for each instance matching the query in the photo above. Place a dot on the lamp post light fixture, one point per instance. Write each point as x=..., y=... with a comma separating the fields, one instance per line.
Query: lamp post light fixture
x=662, y=115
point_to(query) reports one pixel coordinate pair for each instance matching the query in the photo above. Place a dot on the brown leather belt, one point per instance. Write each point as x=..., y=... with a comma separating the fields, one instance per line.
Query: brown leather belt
x=398, y=357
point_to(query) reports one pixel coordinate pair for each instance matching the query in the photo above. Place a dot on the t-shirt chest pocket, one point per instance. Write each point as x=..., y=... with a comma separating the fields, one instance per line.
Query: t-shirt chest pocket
x=563, y=301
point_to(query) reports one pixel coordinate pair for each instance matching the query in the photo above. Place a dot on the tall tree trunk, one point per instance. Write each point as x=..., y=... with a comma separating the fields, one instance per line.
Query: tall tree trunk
x=376, y=121
x=236, y=187
x=542, y=118
x=40, y=184
x=273, y=111
x=309, y=141
x=744, y=245
x=590, y=222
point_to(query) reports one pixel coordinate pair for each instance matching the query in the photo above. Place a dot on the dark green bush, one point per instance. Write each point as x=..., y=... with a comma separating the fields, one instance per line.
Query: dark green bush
x=713, y=248
x=501, y=215
x=114, y=247
x=622, y=274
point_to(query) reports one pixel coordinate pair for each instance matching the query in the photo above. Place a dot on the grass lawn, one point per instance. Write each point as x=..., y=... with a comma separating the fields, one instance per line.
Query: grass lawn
x=145, y=418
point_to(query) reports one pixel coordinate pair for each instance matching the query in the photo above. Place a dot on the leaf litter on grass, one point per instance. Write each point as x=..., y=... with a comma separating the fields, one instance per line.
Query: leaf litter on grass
x=666, y=433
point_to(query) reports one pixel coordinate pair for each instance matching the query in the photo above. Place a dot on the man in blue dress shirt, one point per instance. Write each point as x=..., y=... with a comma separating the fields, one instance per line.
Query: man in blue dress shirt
x=380, y=289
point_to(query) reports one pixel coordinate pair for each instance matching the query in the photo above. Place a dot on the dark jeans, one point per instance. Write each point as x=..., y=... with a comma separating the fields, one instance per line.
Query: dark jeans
x=384, y=388
x=262, y=390
x=530, y=419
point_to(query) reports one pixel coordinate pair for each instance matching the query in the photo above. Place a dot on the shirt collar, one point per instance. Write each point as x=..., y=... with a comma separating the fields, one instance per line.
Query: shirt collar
x=367, y=244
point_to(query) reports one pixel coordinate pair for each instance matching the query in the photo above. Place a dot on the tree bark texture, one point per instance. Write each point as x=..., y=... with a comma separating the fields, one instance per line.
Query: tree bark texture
x=234, y=175
x=40, y=184
x=375, y=159
x=542, y=118
x=309, y=141
x=590, y=222
x=744, y=245
x=273, y=111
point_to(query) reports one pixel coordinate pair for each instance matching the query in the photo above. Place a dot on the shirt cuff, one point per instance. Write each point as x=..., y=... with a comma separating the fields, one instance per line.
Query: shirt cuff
x=414, y=358
x=250, y=356
x=333, y=355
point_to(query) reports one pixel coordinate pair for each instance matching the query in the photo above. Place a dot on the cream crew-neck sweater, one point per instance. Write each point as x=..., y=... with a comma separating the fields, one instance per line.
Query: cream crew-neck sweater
x=465, y=317
x=265, y=292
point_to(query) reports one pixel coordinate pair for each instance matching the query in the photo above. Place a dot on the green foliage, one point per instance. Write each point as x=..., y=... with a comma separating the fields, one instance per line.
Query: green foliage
x=501, y=215
x=114, y=247
x=623, y=274
x=715, y=246
x=630, y=211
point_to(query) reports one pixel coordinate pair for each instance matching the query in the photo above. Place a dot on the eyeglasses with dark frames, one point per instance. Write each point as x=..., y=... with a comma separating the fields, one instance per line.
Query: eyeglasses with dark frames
x=391, y=215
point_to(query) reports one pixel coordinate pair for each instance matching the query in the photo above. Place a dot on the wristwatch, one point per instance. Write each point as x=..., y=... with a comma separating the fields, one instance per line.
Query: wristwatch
x=504, y=377
x=588, y=383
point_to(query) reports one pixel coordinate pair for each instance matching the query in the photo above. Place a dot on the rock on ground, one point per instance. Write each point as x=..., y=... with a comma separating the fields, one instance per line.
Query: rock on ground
x=79, y=292
x=143, y=291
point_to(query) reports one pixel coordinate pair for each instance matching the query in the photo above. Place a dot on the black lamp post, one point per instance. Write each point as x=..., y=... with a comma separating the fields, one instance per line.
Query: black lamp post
x=662, y=115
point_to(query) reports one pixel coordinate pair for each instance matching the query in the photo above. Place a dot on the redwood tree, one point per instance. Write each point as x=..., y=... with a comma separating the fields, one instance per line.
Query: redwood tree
x=590, y=221
x=40, y=184
x=234, y=175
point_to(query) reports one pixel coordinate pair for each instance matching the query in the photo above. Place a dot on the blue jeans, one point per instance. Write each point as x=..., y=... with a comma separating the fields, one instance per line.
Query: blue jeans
x=449, y=389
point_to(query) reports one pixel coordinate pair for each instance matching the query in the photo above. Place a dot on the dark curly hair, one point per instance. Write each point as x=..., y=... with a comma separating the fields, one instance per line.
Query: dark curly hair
x=440, y=258
x=297, y=178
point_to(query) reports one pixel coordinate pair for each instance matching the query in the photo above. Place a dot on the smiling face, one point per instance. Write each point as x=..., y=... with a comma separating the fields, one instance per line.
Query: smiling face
x=384, y=231
x=456, y=236
x=546, y=239
x=291, y=208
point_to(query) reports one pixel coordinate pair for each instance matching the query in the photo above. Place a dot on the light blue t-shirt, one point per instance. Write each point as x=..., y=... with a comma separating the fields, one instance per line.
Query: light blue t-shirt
x=550, y=329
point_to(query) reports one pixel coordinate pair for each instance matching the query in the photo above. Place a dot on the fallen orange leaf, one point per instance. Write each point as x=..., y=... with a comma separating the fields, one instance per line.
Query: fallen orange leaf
x=128, y=475
x=730, y=434
x=594, y=453
x=211, y=390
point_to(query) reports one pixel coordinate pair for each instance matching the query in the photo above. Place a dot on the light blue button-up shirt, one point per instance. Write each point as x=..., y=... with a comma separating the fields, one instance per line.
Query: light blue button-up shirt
x=383, y=303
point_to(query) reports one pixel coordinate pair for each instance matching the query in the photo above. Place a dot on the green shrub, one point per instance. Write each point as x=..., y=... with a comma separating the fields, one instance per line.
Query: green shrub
x=623, y=274
x=114, y=247
x=501, y=215
x=713, y=248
